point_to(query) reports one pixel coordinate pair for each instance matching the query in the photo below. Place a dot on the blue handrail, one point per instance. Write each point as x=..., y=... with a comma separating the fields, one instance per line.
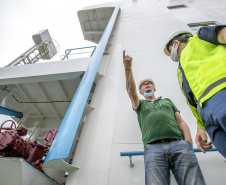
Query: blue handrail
x=210, y=150
x=63, y=141
x=133, y=153
x=68, y=51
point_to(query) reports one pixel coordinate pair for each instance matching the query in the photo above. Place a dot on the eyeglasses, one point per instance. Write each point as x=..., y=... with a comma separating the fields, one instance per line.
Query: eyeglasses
x=154, y=108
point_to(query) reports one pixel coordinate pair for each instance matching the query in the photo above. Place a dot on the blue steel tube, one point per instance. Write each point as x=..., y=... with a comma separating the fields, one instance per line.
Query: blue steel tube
x=133, y=153
x=10, y=112
x=63, y=141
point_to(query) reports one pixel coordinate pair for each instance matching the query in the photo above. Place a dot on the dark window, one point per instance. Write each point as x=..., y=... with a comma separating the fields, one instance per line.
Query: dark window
x=197, y=25
x=177, y=6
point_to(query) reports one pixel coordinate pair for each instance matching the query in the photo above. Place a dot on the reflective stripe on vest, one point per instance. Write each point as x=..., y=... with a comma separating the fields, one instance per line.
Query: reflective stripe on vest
x=212, y=86
x=204, y=65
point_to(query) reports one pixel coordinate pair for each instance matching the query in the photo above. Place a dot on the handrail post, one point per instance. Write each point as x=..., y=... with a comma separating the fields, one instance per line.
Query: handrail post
x=93, y=51
x=66, y=54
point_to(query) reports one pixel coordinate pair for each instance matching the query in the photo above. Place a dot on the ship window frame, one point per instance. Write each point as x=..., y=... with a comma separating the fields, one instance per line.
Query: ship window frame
x=197, y=25
x=177, y=6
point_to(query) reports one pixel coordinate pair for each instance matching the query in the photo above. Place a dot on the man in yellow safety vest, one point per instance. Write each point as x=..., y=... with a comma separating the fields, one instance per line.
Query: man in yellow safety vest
x=202, y=78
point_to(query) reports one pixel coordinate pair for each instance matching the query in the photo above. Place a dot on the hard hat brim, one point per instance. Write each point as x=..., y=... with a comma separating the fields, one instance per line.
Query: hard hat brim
x=144, y=80
x=171, y=38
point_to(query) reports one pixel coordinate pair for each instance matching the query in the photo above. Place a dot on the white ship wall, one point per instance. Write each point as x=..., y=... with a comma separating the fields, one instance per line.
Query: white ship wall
x=142, y=30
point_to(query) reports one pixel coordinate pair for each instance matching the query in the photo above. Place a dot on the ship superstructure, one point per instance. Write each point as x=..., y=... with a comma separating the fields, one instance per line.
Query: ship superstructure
x=77, y=111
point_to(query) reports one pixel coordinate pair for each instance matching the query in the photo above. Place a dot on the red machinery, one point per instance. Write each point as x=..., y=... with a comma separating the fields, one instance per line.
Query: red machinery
x=13, y=145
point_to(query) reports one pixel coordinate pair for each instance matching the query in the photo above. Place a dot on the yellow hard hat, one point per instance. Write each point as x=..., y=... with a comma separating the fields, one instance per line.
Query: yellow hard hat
x=171, y=37
x=144, y=80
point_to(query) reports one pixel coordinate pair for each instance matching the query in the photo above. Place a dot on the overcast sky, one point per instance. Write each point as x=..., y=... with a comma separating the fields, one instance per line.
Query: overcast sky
x=20, y=19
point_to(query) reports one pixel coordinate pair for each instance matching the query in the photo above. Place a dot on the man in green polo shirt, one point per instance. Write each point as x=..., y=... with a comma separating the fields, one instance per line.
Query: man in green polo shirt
x=166, y=136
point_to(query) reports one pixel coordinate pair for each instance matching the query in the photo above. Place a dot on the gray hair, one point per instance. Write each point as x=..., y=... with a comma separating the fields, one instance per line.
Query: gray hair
x=182, y=38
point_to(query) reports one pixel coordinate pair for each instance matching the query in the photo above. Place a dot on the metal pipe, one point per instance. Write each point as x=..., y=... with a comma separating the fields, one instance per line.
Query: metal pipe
x=63, y=141
x=130, y=154
x=29, y=60
x=210, y=150
x=32, y=137
x=11, y=92
x=21, y=59
x=131, y=164
x=134, y=153
x=66, y=54
x=24, y=118
x=10, y=112
x=93, y=51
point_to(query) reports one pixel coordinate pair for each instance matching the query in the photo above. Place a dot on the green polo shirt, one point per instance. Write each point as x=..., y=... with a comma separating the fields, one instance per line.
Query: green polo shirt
x=157, y=120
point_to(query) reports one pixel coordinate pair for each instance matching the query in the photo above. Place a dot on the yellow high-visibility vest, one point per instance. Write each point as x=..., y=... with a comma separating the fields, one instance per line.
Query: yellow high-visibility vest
x=194, y=109
x=204, y=65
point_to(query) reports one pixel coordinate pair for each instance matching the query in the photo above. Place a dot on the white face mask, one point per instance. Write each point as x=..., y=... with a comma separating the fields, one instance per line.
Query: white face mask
x=174, y=55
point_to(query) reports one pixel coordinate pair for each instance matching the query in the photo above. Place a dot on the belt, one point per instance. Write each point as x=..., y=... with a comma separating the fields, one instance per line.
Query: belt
x=166, y=140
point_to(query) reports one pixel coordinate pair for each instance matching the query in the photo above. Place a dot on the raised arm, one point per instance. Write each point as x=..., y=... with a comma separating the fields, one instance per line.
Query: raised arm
x=221, y=35
x=184, y=128
x=130, y=83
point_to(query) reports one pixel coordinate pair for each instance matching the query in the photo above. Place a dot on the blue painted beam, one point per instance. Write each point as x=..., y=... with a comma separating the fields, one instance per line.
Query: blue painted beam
x=133, y=153
x=10, y=112
x=63, y=141
x=210, y=150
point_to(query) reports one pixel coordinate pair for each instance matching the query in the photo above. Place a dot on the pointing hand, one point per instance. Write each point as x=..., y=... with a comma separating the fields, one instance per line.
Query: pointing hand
x=127, y=61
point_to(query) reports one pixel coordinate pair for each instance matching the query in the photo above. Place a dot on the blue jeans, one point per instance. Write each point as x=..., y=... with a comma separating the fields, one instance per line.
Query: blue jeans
x=177, y=156
x=213, y=116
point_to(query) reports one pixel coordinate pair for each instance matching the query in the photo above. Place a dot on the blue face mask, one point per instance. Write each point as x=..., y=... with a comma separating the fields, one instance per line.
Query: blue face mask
x=149, y=94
